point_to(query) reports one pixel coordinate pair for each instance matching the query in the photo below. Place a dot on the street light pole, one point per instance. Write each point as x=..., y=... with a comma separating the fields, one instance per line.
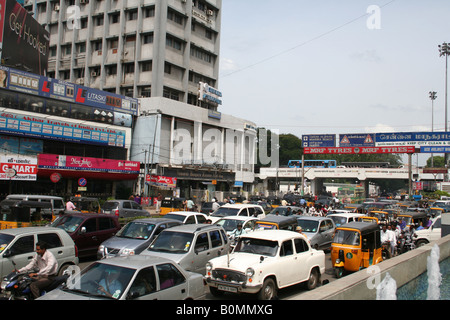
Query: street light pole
x=444, y=50
x=433, y=97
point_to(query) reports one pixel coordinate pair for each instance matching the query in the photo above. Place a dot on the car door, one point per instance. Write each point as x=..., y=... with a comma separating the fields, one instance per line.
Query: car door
x=21, y=251
x=202, y=252
x=287, y=268
x=106, y=229
x=127, y=209
x=217, y=244
x=173, y=284
x=144, y=286
x=303, y=252
x=435, y=230
x=87, y=241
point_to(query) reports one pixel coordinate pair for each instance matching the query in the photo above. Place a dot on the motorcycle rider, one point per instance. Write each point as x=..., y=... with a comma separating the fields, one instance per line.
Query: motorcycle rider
x=47, y=265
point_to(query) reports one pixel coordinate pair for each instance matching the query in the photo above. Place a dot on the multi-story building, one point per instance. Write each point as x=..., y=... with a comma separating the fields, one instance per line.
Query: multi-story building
x=163, y=52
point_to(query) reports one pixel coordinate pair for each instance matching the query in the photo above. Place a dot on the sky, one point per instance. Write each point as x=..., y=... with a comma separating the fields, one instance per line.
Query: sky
x=325, y=66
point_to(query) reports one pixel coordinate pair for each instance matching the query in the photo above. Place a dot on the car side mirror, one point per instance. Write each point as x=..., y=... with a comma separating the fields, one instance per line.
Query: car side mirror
x=83, y=230
x=7, y=253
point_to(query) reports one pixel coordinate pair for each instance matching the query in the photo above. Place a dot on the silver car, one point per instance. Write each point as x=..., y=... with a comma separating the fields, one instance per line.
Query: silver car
x=132, y=278
x=134, y=237
x=124, y=209
x=318, y=230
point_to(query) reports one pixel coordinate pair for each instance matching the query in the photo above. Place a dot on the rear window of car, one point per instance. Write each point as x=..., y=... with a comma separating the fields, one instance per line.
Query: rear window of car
x=51, y=239
x=110, y=205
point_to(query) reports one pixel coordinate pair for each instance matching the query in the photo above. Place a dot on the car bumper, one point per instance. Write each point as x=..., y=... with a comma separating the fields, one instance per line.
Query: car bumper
x=233, y=287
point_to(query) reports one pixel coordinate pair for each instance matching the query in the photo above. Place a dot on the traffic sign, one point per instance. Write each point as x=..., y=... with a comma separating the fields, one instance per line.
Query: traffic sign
x=82, y=182
x=357, y=140
x=319, y=140
x=55, y=177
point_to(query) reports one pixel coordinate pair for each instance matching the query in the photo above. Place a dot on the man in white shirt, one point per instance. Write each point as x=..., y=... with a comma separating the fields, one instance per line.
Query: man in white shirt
x=47, y=265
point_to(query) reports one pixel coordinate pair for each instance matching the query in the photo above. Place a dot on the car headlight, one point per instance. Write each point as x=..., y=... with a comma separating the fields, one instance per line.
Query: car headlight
x=129, y=252
x=209, y=268
x=101, y=247
x=250, y=272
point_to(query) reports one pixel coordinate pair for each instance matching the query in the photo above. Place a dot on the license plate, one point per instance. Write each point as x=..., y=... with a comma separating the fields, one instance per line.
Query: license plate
x=226, y=288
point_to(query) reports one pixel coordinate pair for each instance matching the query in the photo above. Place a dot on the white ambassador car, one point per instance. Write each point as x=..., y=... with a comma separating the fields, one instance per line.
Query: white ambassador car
x=265, y=261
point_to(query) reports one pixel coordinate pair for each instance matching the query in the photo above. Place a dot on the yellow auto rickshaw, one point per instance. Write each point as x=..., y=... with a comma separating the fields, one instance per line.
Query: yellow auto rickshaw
x=24, y=213
x=382, y=216
x=273, y=222
x=170, y=204
x=435, y=211
x=414, y=217
x=368, y=219
x=87, y=204
x=356, y=245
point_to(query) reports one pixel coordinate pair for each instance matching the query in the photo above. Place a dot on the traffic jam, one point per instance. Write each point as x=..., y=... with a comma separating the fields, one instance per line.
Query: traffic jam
x=254, y=248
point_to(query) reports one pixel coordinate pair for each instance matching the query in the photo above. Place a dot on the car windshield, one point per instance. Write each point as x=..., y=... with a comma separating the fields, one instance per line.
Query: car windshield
x=257, y=246
x=110, y=205
x=172, y=242
x=308, y=225
x=281, y=211
x=178, y=217
x=5, y=239
x=229, y=224
x=136, y=230
x=346, y=237
x=339, y=220
x=67, y=223
x=101, y=279
x=224, y=211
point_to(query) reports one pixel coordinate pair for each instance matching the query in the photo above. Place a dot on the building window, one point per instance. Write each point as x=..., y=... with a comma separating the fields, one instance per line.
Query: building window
x=98, y=21
x=146, y=66
x=173, y=43
x=200, y=54
x=115, y=18
x=111, y=70
x=149, y=12
x=132, y=15
x=147, y=38
x=170, y=94
x=128, y=68
x=173, y=16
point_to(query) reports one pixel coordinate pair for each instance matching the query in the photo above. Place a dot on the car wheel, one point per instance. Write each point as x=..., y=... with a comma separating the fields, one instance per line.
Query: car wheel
x=313, y=279
x=421, y=243
x=339, y=272
x=268, y=290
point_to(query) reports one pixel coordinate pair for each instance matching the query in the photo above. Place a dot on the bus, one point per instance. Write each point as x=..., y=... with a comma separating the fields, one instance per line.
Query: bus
x=351, y=194
x=312, y=164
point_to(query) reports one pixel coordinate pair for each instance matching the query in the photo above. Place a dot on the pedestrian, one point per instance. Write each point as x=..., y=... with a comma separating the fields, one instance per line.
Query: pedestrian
x=190, y=205
x=70, y=206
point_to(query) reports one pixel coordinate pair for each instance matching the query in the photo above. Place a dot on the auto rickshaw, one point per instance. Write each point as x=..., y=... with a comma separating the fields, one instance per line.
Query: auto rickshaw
x=86, y=204
x=435, y=211
x=356, y=245
x=273, y=222
x=23, y=213
x=368, y=219
x=170, y=204
x=413, y=217
x=382, y=216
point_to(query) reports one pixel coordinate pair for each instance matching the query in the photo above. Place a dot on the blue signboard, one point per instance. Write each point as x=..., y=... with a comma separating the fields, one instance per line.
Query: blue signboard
x=319, y=140
x=435, y=149
x=36, y=127
x=413, y=138
x=34, y=84
x=357, y=140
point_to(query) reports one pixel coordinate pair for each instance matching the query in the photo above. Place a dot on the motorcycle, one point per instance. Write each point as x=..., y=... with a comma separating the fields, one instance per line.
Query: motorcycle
x=386, y=250
x=16, y=285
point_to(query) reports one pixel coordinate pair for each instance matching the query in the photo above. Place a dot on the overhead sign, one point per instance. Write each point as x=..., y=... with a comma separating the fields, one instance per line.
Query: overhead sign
x=208, y=93
x=417, y=139
x=360, y=150
x=435, y=149
x=319, y=140
x=357, y=140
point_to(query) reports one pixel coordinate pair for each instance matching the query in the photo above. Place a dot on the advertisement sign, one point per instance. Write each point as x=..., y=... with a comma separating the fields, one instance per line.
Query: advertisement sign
x=26, y=82
x=207, y=93
x=360, y=150
x=13, y=167
x=435, y=149
x=65, y=162
x=25, y=42
x=36, y=127
x=357, y=140
x=319, y=140
x=417, y=139
x=161, y=181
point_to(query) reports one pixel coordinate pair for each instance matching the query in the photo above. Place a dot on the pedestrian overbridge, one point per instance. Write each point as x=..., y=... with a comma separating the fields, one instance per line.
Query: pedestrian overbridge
x=273, y=176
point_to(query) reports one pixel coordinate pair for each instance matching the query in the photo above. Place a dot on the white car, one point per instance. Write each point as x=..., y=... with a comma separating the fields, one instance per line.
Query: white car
x=187, y=217
x=265, y=261
x=229, y=224
x=433, y=233
x=248, y=210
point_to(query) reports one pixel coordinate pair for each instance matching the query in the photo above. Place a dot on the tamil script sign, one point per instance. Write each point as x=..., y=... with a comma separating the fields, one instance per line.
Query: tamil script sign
x=357, y=140
x=360, y=150
x=413, y=139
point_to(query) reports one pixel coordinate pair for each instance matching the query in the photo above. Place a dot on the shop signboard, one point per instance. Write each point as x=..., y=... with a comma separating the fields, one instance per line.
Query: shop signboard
x=13, y=167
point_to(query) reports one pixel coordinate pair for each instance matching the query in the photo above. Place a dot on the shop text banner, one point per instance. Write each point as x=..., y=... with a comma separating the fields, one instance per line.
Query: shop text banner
x=161, y=181
x=18, y=168
x=64, y=162
x=37, y=127
x=360, y=150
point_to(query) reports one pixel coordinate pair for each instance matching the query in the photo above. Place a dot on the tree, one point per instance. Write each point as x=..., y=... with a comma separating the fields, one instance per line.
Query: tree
x=438, y=162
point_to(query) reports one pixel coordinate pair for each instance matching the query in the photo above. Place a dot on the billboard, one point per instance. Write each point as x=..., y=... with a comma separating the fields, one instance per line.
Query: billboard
x=319, y=140
x=417, y=139
x=30, y=83
x=360, y=150
x=25, y=43
x=13, y=167
x=357, y=140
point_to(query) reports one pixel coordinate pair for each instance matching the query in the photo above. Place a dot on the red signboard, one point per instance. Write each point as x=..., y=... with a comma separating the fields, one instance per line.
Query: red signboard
x=161, y=181
x=359, y=150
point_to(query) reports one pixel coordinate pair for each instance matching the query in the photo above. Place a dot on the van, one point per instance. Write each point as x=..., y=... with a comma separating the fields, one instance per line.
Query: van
x=343, y=218
x=17, y=247
x=247, y=210
x=58, y=203
x=190, y=245
x=88, y=230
